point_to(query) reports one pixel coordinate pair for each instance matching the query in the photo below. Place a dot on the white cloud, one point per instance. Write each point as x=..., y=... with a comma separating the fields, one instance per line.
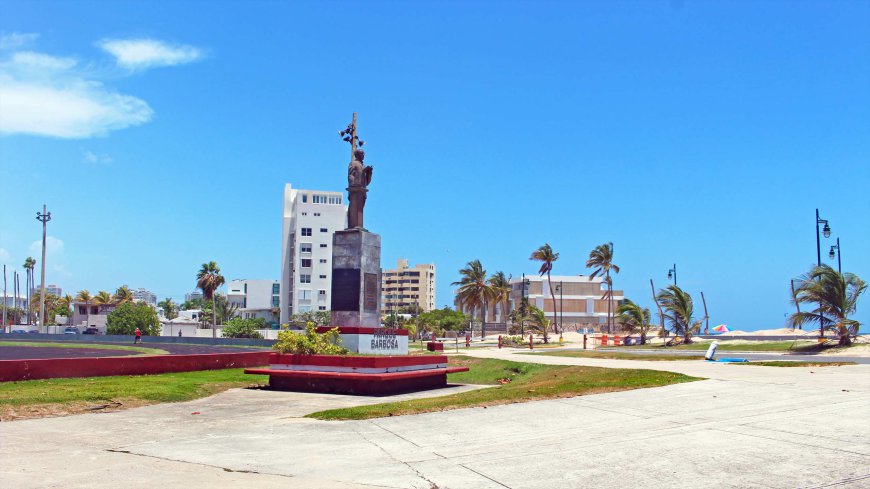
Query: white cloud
x=140, y=54
x=4, y=256
x=45, y=95
x=95, y=158
x=53, y=247
x=15, y=40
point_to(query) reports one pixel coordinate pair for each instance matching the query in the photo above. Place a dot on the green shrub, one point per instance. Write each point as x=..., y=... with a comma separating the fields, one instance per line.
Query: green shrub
x=244, y=328
x=311, y=342
x=131, y=315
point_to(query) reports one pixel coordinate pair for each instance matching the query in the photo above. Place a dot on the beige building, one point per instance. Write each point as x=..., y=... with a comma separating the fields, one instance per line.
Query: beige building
x=406, y=286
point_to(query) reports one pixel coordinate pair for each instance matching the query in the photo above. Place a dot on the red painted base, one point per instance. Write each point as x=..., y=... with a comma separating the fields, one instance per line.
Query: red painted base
x=435, y=346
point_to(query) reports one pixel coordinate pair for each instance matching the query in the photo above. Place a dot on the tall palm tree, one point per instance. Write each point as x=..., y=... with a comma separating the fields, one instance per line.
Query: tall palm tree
x=209, y=280
x=501, y=293
x=29, y=264
x=474, y=292
x=601, y=259
x=85, y=296
x=547, y=256
x=67, y=302
x=679, y=308
x=103, y=299
x=123, y=294
x=169, y=308
x=633, y=318
x=835, y=297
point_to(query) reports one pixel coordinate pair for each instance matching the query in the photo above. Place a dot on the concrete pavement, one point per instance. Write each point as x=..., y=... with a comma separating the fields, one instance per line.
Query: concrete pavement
x=744, y=427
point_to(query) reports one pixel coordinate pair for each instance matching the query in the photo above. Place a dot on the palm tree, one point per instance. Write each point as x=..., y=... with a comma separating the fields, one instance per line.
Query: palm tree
x=226, y=310
x=103, y=299
x=67, y=302
x=835, y=296
x=123, y=295
x=633, y=318
x=539, y=323
x=209, y=279
x=601, y=259
x=169, y=308
x=85, y=296
x=679, y=308
x=474, y=291
x=501, y=293
x=547, y=256
x=29, y=264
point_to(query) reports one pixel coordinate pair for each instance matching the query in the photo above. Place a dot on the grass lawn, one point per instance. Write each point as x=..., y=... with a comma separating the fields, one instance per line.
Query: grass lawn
x=800, y=345
x=615, y=355
x=515, y=382
x=36, y=398
x=786, y=363
x=95, y=346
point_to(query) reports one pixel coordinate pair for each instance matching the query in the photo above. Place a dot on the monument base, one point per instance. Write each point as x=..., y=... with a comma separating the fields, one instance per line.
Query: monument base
x=356, y=279
x=369, y=376
x=372, y=341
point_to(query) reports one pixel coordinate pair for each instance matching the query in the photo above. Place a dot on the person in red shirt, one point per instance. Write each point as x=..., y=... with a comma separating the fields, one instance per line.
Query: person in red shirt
x=138, y=337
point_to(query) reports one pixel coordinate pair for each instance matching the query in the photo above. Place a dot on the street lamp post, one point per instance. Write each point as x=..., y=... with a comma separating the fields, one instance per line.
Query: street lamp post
x=561, y=325
x=839, y=260
x=826, y=232
x=672, y=274
x=525, y=284
x=43, y=217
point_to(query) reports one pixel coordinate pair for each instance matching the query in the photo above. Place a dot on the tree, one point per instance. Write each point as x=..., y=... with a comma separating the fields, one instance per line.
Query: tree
x=131, y=315
x=501, y=293
x=474, y=291
x=633, y=318
x=66, y=304
x=835, y=297
x=601, y=259
x=51, y=303
x=122, y=295
x=547, y=256
x=209, y=279
x=244, y=328
x=191, y=304
x=679, y=308
x=445, y=319
x=103, y=299
x=29, y=264
x=317, y=318
x=170, y=309
x=85, y=296
x=520, y=315
x=539, y=323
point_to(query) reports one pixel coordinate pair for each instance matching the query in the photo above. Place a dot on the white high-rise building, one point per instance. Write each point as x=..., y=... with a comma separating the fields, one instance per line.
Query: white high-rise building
x=255, y=298
x=310, y=218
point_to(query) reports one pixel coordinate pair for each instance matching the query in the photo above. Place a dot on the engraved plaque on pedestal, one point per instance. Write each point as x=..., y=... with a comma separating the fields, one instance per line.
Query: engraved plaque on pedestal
x=356, y=279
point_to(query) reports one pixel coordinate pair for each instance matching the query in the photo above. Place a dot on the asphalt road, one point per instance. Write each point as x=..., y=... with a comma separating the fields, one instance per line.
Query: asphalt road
x=26, y=352
x=801, y=357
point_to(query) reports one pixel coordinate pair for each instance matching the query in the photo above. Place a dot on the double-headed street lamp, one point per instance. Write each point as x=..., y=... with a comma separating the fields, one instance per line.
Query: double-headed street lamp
x=826, y=232
x=43, y=217
x=672, y=274
x=839, y=258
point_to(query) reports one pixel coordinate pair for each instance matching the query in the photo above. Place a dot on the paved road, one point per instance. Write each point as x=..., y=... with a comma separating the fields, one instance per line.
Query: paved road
x=173, y=348
x=36, y=352
x=751, y=356
x=746, y=426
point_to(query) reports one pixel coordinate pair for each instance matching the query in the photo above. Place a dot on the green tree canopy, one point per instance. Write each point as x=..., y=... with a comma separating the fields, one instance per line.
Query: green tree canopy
x=442, y=319
x=244, y=328
x=131, y=315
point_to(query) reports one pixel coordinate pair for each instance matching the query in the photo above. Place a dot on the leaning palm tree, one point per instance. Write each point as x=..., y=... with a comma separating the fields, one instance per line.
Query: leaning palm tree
x=123, y=294
x=679, y=308
x=633, y=318
x=601, y=259
x=209, y=279
x=85, y=296
x=474, y=291
x=501, y=293
x=103, y=299
x=539, y=323
x=547, y=256
x=835, y=297
x=29, y=264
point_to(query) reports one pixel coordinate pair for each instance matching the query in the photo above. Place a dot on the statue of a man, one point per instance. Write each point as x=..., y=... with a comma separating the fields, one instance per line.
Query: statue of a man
x=359, y=176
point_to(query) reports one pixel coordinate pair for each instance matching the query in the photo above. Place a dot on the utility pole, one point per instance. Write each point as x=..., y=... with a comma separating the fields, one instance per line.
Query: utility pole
x=5, y=303
x=43, y=217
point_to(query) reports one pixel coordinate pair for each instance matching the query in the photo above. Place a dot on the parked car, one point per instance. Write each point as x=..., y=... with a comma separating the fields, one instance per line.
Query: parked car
x=91, y=330
x=19, y=331
x=70, y=330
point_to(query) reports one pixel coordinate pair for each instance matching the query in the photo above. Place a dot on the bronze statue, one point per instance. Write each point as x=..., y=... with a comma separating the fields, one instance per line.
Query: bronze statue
x=359, y=176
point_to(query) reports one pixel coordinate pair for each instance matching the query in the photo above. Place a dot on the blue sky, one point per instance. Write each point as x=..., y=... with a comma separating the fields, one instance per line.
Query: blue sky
x=161, y=134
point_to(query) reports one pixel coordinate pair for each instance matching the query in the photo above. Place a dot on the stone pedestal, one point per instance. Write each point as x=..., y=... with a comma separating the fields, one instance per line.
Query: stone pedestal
x=356, y=279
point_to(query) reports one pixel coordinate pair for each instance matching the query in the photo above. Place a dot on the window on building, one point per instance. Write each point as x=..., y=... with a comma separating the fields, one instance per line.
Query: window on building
x=323, y=260
x=304, y=213
x=83, y=310
x=323, y=276
x=304, y=308
x=306, y=263
x=305, y=247
x=321, y=293
x=324, y=230
x=316, y=214
x=305, y=294
x=276, y=289
x=323, y=245
x=304, y=279
x=321, y=308
x=319, y=199
x=276, y=301
x=304, y=198
x=306, y=231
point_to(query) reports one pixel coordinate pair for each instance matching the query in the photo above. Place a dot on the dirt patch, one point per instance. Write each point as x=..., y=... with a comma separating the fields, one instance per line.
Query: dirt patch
x=51, y=410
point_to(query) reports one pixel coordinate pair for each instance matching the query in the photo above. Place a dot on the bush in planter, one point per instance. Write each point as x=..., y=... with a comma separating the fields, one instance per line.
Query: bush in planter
x=311, y=342
x=244, y=328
